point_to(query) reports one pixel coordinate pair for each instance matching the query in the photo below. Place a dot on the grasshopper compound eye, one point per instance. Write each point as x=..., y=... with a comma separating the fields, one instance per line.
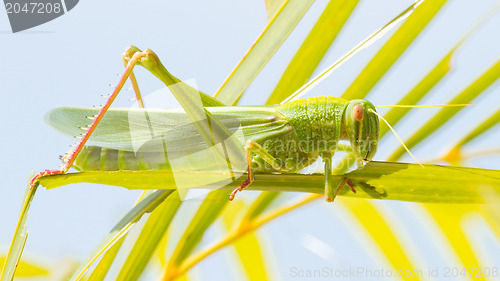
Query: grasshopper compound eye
x=357, y=112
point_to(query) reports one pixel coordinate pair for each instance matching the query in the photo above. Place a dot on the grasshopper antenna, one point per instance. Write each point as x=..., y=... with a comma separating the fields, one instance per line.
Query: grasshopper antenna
x=400, y=140
x=425, y=105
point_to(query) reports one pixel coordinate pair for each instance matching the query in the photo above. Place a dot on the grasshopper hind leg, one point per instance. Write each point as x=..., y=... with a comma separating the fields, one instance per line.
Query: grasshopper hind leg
x=131, y=57
x=126, y=56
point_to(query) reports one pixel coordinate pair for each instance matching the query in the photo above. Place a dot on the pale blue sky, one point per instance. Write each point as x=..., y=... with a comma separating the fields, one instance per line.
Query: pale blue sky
x=71, y=61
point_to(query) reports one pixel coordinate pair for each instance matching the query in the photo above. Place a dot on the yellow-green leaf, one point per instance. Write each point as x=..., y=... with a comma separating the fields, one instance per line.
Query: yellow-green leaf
x=491, y=210
x=275, y=33
x=486, y=125
x=393, y=49
x=146, y=205
x=483, y=127
x=28, y=269
x=428, y=82
x=20, y=236
x=260, y=205
x=247, y=247
x=149, y=238
x=380, y=180
x=449, y=217
x=207, y=213
x=466, y=96
x=381, y=233
x=313, y=48
x=418, y=92
x=102, y=268
x=272, y=7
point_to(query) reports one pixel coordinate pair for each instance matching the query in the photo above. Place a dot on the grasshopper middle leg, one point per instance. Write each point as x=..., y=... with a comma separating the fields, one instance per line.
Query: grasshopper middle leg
x=253, y=147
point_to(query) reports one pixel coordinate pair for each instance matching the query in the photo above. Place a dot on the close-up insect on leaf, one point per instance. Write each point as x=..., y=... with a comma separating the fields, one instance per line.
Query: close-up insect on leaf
x=224, y=176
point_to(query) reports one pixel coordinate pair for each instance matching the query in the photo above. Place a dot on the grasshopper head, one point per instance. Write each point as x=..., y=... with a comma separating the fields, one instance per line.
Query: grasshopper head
x=362, y=127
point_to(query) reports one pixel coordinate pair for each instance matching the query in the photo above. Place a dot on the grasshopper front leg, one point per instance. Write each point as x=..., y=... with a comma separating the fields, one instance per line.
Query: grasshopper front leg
x=330, y=192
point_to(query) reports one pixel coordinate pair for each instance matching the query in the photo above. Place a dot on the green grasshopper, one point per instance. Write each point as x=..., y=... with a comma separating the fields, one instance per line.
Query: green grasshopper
x=276, y=139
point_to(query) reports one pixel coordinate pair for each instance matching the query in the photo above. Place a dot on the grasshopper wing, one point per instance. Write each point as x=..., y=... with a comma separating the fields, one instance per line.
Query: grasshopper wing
x=151, y=130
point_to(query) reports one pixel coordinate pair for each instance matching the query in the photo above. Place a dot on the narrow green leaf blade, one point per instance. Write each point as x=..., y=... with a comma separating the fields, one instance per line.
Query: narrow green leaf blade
x=272, y=7
x=450, y=217
x=379, y=180
x=29, y=269
x=151, y=235
x=393, y=49
x=418, y=92
x=313, y=48
x=248, y=247
x=262, y=50
x=102, y=268
x=260, y=205
x=146, y=205
x=20, y=235
x=493, y=120
x=466, y=96
x=379, y=231
x=207, y=213
x=370, y=40
x=455, y=156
